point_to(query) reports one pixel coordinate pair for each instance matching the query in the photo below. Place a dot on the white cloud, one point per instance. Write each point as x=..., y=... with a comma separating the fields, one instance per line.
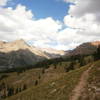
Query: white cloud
x=85, y=25
x=83, y=7
x=84, y=19
x=81, y=26
x=4, y=2
x=20, y=23
x=72, y=1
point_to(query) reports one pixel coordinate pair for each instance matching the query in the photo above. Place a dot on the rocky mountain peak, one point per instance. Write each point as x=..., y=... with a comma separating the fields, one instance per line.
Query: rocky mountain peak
x=96, y=43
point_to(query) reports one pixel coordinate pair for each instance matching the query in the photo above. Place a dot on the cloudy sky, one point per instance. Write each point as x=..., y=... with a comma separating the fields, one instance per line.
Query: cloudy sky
x=59, y=24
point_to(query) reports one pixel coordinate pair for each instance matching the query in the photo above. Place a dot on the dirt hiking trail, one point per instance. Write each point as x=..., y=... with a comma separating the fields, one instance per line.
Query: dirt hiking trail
x=77, y=92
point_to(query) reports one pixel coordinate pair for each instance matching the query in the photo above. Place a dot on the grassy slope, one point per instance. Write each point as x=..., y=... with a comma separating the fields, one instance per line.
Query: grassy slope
x=59, y=89
x=92, y=90
x=28, y=77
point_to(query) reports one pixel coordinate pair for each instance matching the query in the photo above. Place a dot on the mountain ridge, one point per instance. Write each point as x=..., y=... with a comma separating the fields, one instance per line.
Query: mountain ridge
x=85, y=48
x=19, y=53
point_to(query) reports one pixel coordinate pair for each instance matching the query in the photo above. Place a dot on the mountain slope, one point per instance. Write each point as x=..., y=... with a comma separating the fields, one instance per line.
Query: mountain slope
x=85, y=48
x=17, y=45
x=61, y=89
x=18, y=53
x=92, y=89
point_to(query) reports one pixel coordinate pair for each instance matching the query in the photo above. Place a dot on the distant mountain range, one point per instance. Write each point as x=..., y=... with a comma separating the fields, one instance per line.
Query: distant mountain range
x=19, y=53
x=53, y=53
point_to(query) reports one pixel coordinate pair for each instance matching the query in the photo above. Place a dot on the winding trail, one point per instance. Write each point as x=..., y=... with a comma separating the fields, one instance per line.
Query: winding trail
x=77, y=92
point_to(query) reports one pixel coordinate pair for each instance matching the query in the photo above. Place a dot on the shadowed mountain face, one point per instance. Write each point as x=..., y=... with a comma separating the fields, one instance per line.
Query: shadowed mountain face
x=18, y=53
x=18, y=58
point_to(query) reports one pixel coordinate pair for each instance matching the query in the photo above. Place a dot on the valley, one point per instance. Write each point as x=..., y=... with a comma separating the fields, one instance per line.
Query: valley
x=66, y=77
x=49, y=49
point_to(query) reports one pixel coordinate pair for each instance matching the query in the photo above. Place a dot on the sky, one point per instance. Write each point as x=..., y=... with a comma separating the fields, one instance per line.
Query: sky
x=58, y=24
x=44, y=8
